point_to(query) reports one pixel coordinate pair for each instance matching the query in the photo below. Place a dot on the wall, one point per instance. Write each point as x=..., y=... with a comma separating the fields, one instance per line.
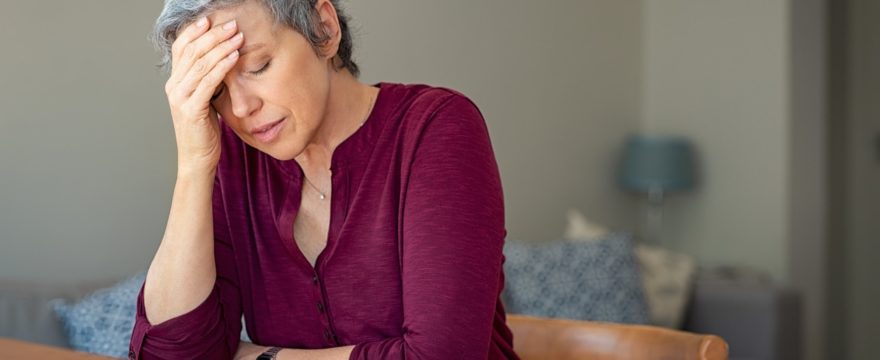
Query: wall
x=86, y=147
x=808, y=166
x=88, y=153
x=717, y=72
x=863, y=176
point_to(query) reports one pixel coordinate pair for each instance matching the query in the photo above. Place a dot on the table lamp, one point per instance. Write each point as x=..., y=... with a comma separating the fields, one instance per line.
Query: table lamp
x=656, y=165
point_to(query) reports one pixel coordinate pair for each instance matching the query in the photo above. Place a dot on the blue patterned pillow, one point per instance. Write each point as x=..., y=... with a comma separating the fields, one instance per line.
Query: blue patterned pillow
x=596, y=280
x=102, y=322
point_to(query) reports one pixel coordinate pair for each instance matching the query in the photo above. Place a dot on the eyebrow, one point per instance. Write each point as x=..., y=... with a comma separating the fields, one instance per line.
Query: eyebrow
x=250, y=47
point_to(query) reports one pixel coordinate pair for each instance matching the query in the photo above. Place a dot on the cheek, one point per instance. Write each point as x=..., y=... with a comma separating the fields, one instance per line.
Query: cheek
x=307, y=99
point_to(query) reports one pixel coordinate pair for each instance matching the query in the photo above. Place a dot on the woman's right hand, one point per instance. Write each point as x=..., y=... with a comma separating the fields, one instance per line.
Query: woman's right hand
x=201, y=57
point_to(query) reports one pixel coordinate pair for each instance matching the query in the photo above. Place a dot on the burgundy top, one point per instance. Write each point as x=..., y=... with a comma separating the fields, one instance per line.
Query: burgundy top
x=412, y=267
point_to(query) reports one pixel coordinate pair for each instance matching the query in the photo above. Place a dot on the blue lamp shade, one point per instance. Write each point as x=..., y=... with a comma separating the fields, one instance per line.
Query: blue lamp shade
x=657, y=163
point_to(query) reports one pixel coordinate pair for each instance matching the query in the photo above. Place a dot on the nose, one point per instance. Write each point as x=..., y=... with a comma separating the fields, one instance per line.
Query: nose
x=243, y=101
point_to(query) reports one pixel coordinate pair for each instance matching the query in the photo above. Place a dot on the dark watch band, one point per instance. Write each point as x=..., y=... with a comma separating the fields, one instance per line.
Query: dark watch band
x=269, y=354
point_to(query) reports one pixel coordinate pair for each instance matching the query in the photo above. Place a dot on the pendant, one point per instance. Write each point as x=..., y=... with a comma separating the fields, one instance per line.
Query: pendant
x=322, y=196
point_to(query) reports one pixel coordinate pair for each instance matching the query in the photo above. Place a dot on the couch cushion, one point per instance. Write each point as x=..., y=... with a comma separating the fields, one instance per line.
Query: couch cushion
x=596, y=281
x=667, y=277
x=101, y=323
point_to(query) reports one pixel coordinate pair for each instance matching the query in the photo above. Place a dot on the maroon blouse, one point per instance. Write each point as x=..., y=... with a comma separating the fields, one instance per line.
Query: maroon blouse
x=412, y=268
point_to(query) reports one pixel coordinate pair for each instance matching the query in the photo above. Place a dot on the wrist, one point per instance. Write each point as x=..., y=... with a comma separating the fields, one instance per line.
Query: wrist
x=196, y=172
x=269, y=354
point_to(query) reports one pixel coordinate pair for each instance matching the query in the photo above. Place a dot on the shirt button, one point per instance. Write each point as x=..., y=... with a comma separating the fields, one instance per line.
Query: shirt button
x=321, y=307
x=315, y=279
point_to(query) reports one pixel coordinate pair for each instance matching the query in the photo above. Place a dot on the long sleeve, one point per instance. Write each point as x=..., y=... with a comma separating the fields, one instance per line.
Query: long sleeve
x=209, y=331
x=452, y=238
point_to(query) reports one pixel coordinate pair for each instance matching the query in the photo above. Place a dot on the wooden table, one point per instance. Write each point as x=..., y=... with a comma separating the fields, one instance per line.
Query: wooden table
x=20, y=350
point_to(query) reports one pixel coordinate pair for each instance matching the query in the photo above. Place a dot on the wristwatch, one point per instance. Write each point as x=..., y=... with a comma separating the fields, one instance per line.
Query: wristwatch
x=269, y=354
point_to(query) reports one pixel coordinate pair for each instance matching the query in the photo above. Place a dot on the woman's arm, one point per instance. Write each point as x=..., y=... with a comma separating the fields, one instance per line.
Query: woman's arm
x=210, y=330
x=182, y=272
x=452, y=238
x=188, y=307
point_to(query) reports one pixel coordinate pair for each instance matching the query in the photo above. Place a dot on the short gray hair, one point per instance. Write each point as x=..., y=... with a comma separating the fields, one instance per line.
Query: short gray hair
x=300, y=15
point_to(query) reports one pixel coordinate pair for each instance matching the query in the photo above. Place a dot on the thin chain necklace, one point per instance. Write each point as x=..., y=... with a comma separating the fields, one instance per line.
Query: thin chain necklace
x=321, y=194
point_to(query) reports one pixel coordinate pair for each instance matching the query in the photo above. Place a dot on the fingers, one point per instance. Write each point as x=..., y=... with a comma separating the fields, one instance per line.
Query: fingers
x=194, y=43
x=225, y=51
x=190, y=33
x=208, y=83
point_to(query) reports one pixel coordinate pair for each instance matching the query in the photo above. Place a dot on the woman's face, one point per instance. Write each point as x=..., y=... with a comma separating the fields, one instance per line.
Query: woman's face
x=278, y=77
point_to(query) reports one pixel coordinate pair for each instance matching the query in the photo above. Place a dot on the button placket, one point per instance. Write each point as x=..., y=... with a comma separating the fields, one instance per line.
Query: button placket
x=329, y=336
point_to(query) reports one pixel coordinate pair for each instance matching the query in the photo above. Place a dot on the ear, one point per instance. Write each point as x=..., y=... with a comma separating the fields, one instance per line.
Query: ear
x=329, y=23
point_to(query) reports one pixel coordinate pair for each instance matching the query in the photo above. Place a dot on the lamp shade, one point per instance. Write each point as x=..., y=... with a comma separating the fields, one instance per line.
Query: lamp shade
x=657, y=163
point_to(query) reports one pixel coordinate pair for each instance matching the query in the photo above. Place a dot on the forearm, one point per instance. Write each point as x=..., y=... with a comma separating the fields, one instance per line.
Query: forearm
x=248, y=351
x=183, y=271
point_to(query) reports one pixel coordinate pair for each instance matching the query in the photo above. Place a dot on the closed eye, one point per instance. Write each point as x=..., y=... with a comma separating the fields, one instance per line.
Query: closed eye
x=217, y=93
x=256, y=72
x=262, y=69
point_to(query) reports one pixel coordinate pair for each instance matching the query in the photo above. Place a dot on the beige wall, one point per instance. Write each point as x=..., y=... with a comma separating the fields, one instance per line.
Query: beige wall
x=87, y=148
x=717, y=71
x=86, y=144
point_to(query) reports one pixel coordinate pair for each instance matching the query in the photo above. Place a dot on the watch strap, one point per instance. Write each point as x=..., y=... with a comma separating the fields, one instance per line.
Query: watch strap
x=269, y=354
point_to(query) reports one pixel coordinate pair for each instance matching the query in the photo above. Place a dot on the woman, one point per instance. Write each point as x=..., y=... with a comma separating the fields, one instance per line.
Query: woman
x=342, y=220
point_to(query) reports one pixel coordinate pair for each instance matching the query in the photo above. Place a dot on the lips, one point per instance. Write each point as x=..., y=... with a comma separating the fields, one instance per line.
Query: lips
x=269, y=132
x=264, y=128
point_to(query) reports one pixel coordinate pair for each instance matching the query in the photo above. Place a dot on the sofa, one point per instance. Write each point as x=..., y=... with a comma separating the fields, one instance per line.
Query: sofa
x=758, y=320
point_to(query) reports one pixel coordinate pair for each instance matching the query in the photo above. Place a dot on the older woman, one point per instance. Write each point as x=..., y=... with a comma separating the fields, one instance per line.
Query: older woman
x=342, y=220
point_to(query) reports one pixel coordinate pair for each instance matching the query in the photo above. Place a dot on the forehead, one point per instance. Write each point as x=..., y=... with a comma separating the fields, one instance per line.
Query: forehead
x=253, y=18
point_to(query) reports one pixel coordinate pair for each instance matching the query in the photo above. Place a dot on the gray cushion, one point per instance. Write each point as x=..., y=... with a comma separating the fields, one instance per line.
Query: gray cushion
x=596, y=281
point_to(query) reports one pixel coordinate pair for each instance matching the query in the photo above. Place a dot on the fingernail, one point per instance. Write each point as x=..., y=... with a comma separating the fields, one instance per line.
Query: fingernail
x=229, y=25
x=233, y=55
x=202, y=22
x=238, y=37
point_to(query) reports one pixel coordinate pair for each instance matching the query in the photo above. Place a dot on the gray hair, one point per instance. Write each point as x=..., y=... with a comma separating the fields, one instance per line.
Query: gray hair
x=300, y=15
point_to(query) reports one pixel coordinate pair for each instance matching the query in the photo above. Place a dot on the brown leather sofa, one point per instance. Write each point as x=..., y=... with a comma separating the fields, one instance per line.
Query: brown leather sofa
x=541, y=338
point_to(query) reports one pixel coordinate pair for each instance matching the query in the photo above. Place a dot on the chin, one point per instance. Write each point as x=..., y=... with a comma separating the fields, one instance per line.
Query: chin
x=283, y=150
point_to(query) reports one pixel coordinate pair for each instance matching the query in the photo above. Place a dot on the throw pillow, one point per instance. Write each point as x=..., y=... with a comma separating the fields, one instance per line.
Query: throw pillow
x=596, y=281
x=102, y=322
x=668, y=279
x=581, y=229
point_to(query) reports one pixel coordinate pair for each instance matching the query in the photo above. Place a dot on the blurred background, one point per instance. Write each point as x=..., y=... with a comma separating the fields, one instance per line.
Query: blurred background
x=779, y=101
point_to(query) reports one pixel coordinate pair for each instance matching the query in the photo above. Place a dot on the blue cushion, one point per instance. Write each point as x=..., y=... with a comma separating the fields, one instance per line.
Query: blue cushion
x=102, y=322
x=597, y=280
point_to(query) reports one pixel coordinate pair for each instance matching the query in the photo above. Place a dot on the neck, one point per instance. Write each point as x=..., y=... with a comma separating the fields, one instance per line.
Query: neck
x=348, y=104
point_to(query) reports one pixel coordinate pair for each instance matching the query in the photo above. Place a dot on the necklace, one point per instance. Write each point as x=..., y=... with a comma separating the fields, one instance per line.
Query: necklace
x=321, y=194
